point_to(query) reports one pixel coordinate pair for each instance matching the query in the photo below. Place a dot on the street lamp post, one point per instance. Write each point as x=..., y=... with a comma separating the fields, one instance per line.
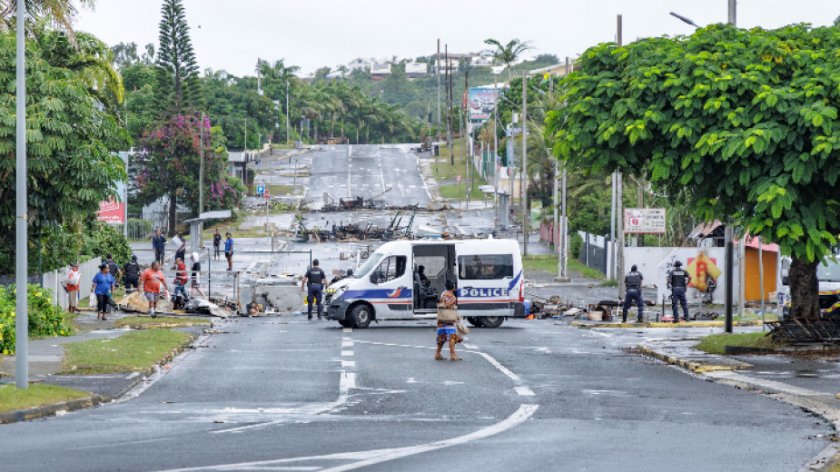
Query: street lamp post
x=21, y=205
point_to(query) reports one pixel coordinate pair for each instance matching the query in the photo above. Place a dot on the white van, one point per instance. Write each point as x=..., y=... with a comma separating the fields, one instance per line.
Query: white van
x=403, y=280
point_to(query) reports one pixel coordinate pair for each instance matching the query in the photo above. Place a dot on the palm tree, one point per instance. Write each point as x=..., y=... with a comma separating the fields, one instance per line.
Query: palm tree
x=61, y=13
x=508, y=53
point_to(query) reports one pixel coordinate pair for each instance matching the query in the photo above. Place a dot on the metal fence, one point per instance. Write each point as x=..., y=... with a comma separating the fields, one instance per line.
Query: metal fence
x=594, y=253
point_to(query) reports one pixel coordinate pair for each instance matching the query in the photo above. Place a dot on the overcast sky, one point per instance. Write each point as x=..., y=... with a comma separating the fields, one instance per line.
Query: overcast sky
x=231, y=35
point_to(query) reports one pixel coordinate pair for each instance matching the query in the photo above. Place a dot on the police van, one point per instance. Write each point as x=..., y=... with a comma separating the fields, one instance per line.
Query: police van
x=403, y=280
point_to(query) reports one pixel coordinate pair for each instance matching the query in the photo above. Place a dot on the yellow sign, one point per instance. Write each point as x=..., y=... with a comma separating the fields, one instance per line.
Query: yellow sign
x=700, y=269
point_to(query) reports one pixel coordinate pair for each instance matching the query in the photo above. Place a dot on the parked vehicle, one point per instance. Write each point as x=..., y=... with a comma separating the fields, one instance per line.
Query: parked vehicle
x=402, y=279
x=828, y=275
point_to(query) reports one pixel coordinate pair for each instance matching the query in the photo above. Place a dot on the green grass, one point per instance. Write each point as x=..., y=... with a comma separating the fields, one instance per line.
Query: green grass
x=276, y=190
x=162, y=321
x=716, y=343
x=548, y=263
x=131, y=352
x=459, y=192
x=13, y=398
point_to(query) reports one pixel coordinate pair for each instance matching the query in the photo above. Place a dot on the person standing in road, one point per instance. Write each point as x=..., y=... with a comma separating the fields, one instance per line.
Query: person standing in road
x=315, y=282
x=229, y=250
x=159, y=245
x=217, y=241
x=195, y=284
x=446, y=332
x=71, y=285
x=633, y=285
x=151, y=280
x=181, y=278
x=181, y=249
x=678, y=280
x=103, y=285
x=131, y=274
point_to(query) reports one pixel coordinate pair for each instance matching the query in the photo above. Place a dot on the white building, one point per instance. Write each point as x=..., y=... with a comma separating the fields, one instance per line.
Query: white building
x=415, y=69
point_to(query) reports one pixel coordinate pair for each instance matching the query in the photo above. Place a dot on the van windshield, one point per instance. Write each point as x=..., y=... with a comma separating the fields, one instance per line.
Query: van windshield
x=829, y=271
x=368, y=266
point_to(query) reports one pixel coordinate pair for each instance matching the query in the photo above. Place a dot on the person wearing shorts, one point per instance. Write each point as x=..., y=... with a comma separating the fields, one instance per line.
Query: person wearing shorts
x=151, y=280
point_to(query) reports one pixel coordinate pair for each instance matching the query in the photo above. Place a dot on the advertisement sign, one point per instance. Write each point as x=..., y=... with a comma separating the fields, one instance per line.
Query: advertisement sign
x=644, y=220
x=111, y=211
x=481, y=102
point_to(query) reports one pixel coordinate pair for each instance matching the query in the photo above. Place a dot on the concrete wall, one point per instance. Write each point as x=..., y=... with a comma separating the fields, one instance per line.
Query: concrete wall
x=655, y=262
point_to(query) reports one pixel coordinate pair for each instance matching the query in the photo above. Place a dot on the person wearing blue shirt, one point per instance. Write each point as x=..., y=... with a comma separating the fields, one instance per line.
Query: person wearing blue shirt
x=229, y=250
x=103, y=284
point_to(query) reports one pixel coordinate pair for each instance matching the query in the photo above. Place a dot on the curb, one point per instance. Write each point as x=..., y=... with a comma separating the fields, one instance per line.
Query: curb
x=696, y=367
x=51, y=409
x=658, y=324
x=93, y=400
x=825, y=461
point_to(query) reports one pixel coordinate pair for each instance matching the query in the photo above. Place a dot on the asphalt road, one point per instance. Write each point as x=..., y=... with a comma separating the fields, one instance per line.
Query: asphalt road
x=286, y=394
x=366, y=171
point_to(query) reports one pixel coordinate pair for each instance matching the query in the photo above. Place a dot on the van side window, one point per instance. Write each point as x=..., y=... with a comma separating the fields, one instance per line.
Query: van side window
x=390, y=268
x=485, y=266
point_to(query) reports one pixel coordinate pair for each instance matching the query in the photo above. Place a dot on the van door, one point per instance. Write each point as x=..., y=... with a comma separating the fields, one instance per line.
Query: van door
x=434, y=264
x=391, y=296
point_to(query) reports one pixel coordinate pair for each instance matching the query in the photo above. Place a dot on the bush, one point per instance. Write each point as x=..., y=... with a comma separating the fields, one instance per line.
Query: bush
x=45, y=319
x=575, y=244
x=102, y=239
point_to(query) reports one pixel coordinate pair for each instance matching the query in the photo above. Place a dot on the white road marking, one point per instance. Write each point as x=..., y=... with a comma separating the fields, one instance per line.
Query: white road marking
x=378, y=456
x=600, y=333
x=499, y=366
x=524, y=391
x=471, y=346
x=346, y=353
x=348, y=363
x=347, y=330
x=347, y=343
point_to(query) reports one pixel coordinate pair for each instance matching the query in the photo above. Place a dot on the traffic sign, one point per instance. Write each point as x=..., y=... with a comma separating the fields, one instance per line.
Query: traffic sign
x=260, y=189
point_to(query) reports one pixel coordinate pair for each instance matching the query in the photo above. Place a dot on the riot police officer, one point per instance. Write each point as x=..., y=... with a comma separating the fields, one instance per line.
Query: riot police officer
x=678, y=281
x=633, y=285
x=315, y=283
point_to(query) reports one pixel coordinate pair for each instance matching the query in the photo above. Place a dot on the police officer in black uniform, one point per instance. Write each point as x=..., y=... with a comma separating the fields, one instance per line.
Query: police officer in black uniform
x=315, y=282
x=131, y=274
x=633, y=285
x=678, y=281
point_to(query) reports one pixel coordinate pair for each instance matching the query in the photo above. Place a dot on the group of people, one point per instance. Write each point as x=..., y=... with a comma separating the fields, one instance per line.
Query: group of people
x=159, y=247
x=677, y=281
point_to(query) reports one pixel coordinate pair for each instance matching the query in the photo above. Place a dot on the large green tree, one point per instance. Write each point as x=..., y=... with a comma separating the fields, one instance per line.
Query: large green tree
x=177, y=71
x=742, y=123
x=72, y=133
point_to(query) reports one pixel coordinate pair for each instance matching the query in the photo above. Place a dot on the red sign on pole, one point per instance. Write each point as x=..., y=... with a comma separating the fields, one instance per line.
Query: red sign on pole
x=111, y=211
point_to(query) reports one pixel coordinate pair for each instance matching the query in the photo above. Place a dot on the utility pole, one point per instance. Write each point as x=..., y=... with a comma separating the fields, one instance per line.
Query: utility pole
x=469, y=175
x=21, y=206
x=732, y=16
x=525, y=212
x=200, y=175
x=619, y=201
x=496, y=153
x=450, y=140
x=287, y=111
x=562, y=259
x=437, y=72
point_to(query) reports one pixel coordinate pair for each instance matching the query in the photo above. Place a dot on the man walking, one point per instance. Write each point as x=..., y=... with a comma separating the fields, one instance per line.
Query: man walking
x=151, y=281
x=315, y=282
x=159, y=245
x=678, y=281
x=71, y=285
x=113, y=268
x=633, y=285
x=131, y=274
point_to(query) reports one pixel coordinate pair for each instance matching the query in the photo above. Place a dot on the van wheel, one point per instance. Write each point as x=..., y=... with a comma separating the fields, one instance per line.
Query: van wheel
x=492, y=321
x=346, y=322
x=476, y=322
x=360, y=316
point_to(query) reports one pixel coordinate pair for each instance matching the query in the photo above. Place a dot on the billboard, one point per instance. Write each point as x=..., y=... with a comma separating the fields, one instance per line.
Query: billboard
x=481, y=102
x=644, y=220
x=115, y=211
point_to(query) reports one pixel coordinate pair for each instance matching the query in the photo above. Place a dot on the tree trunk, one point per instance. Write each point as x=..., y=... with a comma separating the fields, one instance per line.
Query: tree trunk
x=804, y=290
x=172, y=213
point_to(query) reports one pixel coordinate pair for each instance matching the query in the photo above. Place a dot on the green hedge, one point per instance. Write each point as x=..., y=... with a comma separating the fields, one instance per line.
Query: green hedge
x=45, y=319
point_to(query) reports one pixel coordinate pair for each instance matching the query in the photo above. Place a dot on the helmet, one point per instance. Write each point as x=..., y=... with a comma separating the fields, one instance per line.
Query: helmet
x=677, y=264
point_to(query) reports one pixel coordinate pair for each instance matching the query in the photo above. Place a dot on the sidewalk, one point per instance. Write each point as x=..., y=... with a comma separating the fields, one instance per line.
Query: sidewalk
x=805, y=382
x=46, y=366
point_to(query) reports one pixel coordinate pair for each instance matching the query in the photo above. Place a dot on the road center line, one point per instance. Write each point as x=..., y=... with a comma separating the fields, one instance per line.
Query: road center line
x=346, y=353
x=492, y=360
x=368, y=458
x=524, y=391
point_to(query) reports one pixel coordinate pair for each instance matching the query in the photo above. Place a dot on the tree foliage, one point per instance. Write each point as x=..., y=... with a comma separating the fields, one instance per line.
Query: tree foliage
x=71, y=136
x=177, y=71
x=745, y=121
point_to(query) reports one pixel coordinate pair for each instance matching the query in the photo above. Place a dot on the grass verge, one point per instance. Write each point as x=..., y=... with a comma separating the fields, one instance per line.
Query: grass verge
x=13, y=398
x=716, y=343
x=459, y=192
x=280, y=189
x=135, y=351
x=146, y=322
x=548, y=263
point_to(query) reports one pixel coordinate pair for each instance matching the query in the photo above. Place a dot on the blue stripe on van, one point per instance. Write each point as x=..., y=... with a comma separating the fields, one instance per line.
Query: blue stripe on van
x=514, y=281
x=400, y=293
